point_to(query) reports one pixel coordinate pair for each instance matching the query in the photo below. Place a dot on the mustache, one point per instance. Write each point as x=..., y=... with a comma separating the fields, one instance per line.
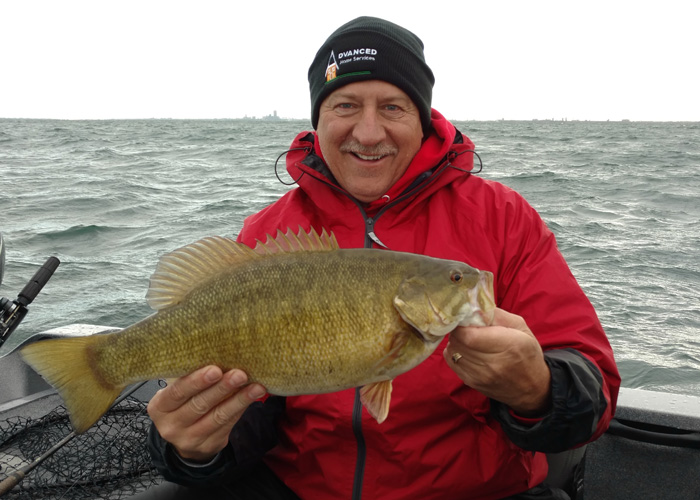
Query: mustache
x=380, y=149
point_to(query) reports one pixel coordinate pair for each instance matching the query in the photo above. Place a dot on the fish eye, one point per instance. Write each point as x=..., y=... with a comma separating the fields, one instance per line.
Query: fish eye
x=456, y=277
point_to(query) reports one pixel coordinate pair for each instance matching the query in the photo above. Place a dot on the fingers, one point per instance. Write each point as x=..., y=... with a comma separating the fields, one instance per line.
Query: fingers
x=197, y=412
x=179, y=391
x=193, y=396
x=203, y=439
x=497, y=347
x=509, y=320
x=506, y=329
x=207, y=397
x=503, y=361
x=229, y=410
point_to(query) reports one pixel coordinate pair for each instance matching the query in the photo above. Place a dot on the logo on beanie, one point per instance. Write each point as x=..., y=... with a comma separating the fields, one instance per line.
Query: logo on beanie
x=332, y=69
x=347, y=56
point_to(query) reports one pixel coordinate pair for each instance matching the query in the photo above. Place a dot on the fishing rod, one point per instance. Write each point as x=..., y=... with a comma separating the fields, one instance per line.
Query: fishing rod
x=12, y=312
x=15, y=477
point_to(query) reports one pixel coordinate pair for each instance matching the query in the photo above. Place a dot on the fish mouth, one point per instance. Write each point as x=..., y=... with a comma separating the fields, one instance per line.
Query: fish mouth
x=479, y=310
x=481, y=304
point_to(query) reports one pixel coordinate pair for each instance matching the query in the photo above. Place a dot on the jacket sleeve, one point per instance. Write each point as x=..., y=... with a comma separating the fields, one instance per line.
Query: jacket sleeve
x=578, y=403
x=252, y=436
x=535, y=282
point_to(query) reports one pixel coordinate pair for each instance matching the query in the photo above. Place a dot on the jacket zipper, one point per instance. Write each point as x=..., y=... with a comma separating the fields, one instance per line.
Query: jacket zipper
x=360, y=461
x=361, y=447
x=370, y=239
x=357, y=406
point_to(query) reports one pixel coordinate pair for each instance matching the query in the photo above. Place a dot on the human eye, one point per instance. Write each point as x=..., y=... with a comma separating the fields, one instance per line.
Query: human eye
x=345, y=108
x=393, y=110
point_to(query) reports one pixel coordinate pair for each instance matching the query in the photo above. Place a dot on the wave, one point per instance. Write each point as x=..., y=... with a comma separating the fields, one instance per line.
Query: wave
x=110, y=197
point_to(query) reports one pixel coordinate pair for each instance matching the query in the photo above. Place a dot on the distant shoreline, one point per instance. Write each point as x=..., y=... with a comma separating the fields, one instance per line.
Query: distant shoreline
x=279, y=119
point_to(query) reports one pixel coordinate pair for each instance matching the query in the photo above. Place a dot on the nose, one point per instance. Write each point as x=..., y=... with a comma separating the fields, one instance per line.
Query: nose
x=369, y=130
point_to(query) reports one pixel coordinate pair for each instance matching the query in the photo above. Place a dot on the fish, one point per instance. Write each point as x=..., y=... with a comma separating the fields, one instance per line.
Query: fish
x=297, y=313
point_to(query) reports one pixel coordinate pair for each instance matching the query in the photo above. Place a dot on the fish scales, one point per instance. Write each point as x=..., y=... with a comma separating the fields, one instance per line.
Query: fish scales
x=333, y=314
x=297, y=314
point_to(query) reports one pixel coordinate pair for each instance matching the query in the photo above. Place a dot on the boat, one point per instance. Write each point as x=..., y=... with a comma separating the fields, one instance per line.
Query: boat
x=650, y=451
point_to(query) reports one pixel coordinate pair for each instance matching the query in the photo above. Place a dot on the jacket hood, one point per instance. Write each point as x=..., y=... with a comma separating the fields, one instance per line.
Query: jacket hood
x=445, y=155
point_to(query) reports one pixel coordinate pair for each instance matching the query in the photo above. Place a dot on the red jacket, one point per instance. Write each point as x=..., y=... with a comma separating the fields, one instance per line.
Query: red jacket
x=442, y=439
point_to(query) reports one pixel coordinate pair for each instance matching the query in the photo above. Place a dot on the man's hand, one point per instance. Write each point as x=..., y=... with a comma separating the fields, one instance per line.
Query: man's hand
x=504, y=362
x=196, y=413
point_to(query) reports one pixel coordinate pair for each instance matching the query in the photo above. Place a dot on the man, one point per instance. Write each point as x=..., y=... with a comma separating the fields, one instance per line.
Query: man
x=472, y=421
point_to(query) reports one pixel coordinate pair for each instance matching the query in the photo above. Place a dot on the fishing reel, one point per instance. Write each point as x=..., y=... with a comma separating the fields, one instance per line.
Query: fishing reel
x=12, y=312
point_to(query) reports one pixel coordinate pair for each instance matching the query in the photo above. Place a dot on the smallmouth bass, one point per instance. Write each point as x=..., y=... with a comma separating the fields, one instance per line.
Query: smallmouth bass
x=298, y=314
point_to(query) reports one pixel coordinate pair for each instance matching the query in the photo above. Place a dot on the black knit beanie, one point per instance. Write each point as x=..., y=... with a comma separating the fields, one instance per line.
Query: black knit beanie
x=368, y=48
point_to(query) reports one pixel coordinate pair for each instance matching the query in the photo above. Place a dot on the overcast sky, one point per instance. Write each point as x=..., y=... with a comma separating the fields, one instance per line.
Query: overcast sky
x=587, y=60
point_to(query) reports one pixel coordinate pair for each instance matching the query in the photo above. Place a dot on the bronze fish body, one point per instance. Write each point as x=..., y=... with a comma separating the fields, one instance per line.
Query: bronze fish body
x=298, y=314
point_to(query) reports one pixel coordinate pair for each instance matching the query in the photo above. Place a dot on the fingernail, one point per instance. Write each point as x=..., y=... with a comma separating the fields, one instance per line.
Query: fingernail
x=238, y=378
x=256, y=392
x=211, y=375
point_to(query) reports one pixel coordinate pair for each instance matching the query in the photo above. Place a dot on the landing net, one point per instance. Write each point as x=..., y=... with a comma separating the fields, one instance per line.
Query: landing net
x=109, y=461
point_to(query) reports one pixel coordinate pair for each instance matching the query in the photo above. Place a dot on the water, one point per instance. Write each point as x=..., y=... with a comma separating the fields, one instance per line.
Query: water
x=109, y=197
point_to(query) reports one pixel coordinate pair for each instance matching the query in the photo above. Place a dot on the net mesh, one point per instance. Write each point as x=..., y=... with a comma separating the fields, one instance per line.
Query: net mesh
x=109, y=461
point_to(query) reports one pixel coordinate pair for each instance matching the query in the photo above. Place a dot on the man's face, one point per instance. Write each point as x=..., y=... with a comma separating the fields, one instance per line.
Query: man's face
x=368, y=133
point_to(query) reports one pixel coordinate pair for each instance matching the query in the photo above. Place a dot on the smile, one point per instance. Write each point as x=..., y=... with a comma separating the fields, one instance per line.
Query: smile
x=368, y=157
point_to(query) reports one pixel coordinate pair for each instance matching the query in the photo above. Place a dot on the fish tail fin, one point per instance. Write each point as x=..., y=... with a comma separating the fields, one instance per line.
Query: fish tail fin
x=65, y=364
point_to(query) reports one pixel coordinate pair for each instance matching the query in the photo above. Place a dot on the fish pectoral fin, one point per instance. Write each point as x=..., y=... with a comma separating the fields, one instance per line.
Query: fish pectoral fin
x=376, y=398
x=398, y=342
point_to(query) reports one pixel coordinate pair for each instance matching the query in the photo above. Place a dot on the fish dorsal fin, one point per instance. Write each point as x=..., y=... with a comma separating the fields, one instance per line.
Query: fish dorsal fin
x=183, y=269
x=302, y=241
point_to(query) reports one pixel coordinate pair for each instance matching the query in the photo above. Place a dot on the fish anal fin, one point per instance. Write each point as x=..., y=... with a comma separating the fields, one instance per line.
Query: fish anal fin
x=181, y=270
x=299, y=242
x=376, y=398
